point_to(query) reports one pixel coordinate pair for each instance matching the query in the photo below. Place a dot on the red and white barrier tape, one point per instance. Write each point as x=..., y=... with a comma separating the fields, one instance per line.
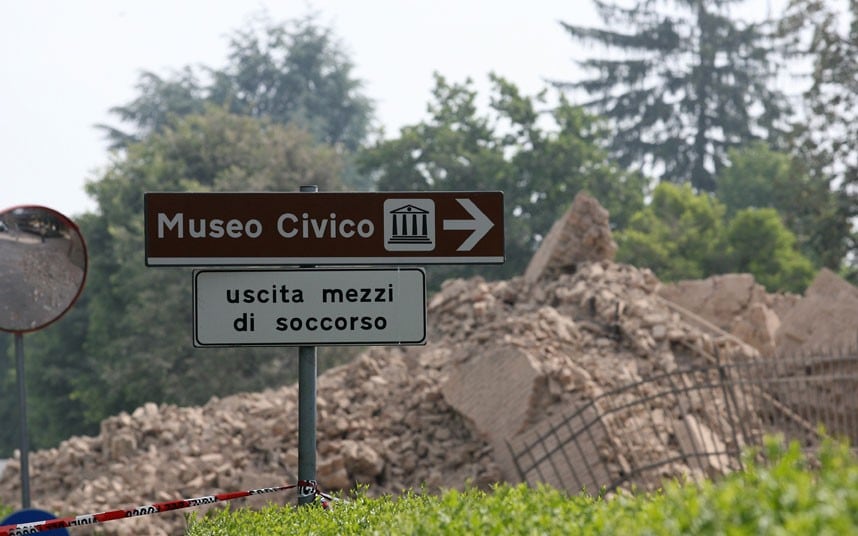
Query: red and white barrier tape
x=305, y=488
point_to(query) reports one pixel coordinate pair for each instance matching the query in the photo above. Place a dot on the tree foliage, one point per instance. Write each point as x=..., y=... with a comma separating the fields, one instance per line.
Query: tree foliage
x=158, y=103
x=540, y=160
x=691, y=84
x=8, y=395
x=683, y=235
x=758, y=177
x=760, y=244
x=679, y=235
x=295, y=72
x=825, y=136
x=138, y=341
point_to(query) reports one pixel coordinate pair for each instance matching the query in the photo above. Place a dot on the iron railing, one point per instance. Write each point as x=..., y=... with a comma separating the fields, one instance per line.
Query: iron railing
x=695, y=422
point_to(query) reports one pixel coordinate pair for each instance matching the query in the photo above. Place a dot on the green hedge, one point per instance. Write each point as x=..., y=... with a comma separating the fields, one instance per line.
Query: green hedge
x=780, y=496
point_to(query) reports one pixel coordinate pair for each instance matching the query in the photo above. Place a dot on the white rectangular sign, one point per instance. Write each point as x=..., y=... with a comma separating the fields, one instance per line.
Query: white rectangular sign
x=309, y=307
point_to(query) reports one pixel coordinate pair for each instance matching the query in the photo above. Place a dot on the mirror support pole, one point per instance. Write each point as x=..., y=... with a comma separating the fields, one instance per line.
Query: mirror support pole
x=22, y=410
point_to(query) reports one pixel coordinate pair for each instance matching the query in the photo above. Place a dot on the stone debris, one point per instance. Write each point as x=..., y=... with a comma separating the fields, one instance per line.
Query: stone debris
x=502, y=377
x=505, y=360
x=694, y=436
x=826, y=318
x=719, y=299
x=736, y=304
x=582, y=234
x=758, y=327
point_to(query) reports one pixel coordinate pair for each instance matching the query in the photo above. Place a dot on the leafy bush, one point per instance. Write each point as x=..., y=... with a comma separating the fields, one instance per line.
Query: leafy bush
x=785, y=494
x=5, y=511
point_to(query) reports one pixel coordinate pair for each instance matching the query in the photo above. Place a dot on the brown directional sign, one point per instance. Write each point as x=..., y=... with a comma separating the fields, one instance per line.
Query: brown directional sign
x=250, y=229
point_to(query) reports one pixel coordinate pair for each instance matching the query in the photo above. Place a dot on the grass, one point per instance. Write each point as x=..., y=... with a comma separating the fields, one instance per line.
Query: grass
x=782, y=495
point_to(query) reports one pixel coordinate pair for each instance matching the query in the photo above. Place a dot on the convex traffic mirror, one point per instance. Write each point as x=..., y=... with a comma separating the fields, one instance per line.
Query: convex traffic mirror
x=43, y=266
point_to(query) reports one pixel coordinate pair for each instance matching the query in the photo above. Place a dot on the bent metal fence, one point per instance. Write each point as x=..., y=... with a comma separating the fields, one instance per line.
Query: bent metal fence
x=696, y=421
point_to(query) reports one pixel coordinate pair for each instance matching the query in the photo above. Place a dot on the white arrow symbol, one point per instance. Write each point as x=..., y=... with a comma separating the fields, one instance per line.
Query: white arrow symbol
x=481, y=225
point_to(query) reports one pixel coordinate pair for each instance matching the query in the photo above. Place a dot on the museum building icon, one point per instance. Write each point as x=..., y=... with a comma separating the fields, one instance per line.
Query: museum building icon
x=409, y=225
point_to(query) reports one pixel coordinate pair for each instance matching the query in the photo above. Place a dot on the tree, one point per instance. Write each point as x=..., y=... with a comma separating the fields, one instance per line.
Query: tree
x=825, y=136
x=761, y=245
x=294, y=72
x=158, y=102
x=297, y=74
x=539, y=167
x=693, y=83
x=678, y=235
x=758, y=177
x=683, y=235
x=52, y=366
x=137, y=335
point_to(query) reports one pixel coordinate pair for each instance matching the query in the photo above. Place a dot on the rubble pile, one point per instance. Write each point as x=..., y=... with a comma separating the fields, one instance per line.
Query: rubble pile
x=824, y=319
x=504, y=358
x=811, y=341
x=522, y=354
x=380, y=422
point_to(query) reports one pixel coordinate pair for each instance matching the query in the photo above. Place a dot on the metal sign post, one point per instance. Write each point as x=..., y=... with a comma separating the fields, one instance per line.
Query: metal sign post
x=307, y=365
x=22, y=410
x=306, y=419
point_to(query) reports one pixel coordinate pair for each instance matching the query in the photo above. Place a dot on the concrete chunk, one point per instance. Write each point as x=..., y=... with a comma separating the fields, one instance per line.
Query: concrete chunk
x=582, y=234
x=495, y=392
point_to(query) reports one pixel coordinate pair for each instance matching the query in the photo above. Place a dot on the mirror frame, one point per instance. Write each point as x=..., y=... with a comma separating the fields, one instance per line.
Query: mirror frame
x=73, y=229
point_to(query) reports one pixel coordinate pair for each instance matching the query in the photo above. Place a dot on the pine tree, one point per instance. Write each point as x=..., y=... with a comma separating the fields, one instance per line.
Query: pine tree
x=692, y=83
x=826, y=136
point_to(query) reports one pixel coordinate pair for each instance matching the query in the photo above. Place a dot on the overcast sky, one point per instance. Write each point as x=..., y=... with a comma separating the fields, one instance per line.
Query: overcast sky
x=65, y=63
